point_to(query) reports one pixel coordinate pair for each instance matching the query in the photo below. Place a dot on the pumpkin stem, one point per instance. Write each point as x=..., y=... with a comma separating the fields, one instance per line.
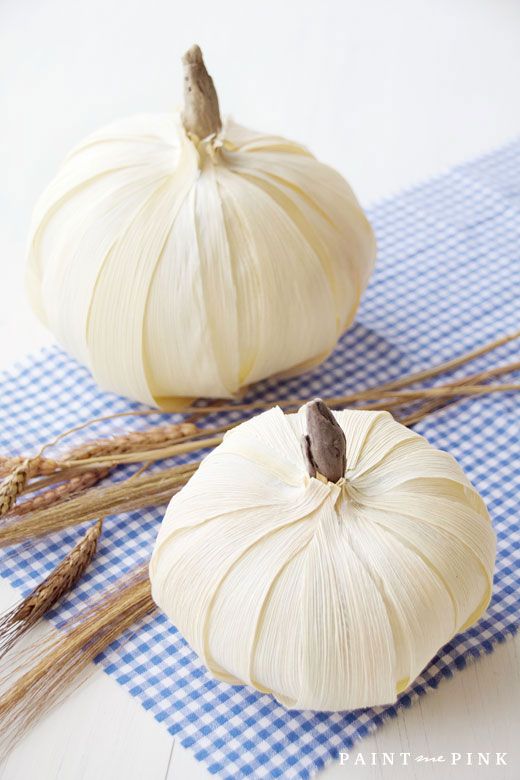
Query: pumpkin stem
x=324, y=447
x=201, y=115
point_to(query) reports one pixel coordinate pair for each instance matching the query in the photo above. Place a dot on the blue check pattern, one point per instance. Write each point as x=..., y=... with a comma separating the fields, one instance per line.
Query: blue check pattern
x=447, y=280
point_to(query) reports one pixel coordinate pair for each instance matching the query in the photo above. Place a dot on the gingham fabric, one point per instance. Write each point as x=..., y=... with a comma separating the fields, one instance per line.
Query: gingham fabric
x=447, y=280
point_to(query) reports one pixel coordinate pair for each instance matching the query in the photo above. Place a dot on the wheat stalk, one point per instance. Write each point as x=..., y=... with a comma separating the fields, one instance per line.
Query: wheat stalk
x=373, y=394
x=433, y=405
x=154, y=489
x=149, y=455
x=131, y=441
x=20, y=618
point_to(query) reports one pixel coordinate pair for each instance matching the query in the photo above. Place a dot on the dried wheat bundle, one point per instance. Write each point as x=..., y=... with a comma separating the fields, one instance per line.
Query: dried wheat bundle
x=153, y=489
x=20, y=470
x=52, y=667
x=128, y=450
x=75, y=472
x=58, y=508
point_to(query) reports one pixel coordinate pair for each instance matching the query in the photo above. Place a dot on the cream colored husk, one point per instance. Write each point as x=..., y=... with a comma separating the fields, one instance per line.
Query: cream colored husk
x=177, y=268
x=330, y=596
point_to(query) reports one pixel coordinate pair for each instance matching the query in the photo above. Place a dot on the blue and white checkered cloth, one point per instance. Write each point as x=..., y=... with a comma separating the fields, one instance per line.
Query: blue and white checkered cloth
x=448, y=280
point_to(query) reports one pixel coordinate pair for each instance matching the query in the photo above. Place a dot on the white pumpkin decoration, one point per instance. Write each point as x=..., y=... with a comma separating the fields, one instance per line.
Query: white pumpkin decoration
x=329, y=595
x=178, y=256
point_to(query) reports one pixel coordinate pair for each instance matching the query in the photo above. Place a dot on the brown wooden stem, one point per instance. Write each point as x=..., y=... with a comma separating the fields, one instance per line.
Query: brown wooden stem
x=201, y=115
x=324, y=447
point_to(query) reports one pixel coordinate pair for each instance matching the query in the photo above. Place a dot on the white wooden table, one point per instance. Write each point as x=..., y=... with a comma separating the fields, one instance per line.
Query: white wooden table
x=389, y=93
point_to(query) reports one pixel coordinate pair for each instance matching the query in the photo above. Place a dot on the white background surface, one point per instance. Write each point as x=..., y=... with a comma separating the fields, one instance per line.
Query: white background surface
x=387, y=92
